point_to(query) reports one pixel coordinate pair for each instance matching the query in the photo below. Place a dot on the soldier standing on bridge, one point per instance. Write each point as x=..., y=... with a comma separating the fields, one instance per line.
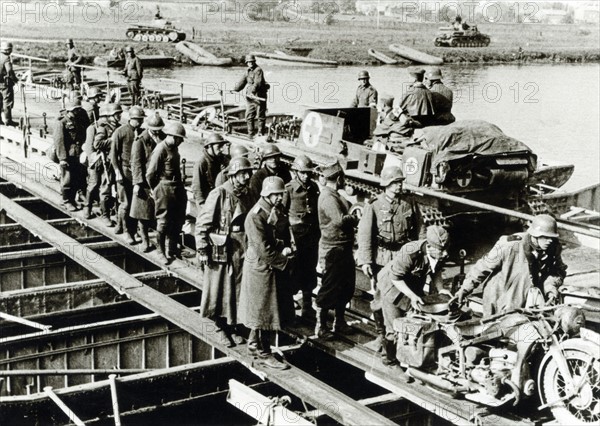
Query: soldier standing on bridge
x=235, y=151
x=271, y=165
x=517, y=268
x=94, y=161
x=221, y=245
x=73, y=72
x=212, y=160
x=142, y=203
x=103, y=167
x=366, y=94
x=256, y=96
x=417, y=102
x=264, y=306
x=335, y=253
x=120, y=158
x=134, y=72
x=301, y=201
x=69, y=136
x=388, y=222
x=92, y=104
x=442, y=97
x=164, y=176
x=7, y=80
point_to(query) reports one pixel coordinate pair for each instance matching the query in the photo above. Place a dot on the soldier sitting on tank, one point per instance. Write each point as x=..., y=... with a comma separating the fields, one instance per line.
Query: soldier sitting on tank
x=459, y=25
x=417, y=102
x=366, y=94
x=395, y=128
x=442, y=97
x=271, y=165
x=522, y=269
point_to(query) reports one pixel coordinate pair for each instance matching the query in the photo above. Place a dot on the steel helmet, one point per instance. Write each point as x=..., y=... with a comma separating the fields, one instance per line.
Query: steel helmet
x=303, y=164
x=270, y=151
x=215, y=139
x=103, y=110
x=250, y=58
x=94, y=92
x=70, y=41
x=73, y=104
x=434, y=74
x=175, y=129
x=543, y=225
x=237, y=165
x=155, y=122
x=391, y=174
x=272, y=185
x=113, y=109
x=238, y=150
x=136, y=112
x=128, y=49
x=5, y=46
x=363, y=74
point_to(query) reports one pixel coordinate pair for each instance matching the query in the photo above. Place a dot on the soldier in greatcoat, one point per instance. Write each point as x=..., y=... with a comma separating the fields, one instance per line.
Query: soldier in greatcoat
x=221, y=246
x=271, y=165
x=120, y=158
x=418, y=101
x=442, y=97
x=300, y=199
x=92, y=104
x=69, y=137
x=142, y=203
x=335, y=253
x=7, y=81
x=94, y=161
x=366, y=94
x=134, y=72
x=519, y=267
x=388, y=222
x=103, y=172
x=212, y=160
x=235, y=151
x=73, y=72
x=164, y=176
x=265, y=302
x=256, y=96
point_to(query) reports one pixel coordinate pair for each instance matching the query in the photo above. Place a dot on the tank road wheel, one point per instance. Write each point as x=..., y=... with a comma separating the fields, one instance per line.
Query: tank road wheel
x=486, y=42
x=173, y=36
x=584, y=407
x=145, y=37
x=165, y=38
x=138, y=37
x=437, y=42
x=130, y=34
x=151, y=37
x=454, y=43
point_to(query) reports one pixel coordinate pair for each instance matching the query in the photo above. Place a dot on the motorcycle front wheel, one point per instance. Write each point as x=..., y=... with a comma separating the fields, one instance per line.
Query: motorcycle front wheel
x=584, y=407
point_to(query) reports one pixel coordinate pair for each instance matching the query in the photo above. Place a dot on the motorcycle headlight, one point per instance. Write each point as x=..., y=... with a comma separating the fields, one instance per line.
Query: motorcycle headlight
x=571, y=319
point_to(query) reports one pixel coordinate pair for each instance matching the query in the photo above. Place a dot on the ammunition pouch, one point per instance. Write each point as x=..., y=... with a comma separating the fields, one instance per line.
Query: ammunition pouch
x=218, y=244
x=415, y=344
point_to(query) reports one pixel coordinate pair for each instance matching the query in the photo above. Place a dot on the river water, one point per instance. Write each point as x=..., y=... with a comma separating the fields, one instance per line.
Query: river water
x=555, y=109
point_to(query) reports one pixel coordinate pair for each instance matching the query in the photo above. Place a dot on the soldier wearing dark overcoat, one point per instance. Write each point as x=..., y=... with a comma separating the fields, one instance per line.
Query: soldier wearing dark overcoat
x=92, y=104
x=366, y=94
x=442, y=96
x=301, y=202
x=73, y=72
x=221, y=246
x=69, y=137
x=212, y=160
x=142, y=203
x=235, y=151
x=134, y=72
x=335, y=253
x=164, y=176
x=7, y=81
x=417, y=102
x=387, y=223
x=256, y=96
x=271, y=165
x=120, y=158
x=265, y=303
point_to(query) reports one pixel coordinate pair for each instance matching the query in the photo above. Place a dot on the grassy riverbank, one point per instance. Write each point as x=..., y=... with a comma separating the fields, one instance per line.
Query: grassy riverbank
x=346, y=40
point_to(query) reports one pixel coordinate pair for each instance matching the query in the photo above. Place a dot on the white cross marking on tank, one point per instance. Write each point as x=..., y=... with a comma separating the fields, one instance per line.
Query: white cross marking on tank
x=311, y=129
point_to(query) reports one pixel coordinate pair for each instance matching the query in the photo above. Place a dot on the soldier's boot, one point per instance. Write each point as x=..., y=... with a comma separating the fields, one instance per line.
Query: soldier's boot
x=105, y=209
x=261, y=127
x=322, y=330
x=379, y=329
x=120, y=223
x=340, y=325
x=308, y=313
x=251, y=129
x=390, y=360
x=161, y=238
x=147, y=246
x=8, y=117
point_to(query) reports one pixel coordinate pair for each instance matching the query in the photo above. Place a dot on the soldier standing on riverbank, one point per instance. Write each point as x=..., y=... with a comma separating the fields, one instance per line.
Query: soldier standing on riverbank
x=366, y=94
x=442, y=97
x=134, y=72
x=69, y=136
x=73, y=72
x=388, y=222
x=120, y=158
x=142, y=203
x=7, y=80
x=164, y=177
x=256, y=96
x=417, y=101
x=212, y=160
x=301, y=201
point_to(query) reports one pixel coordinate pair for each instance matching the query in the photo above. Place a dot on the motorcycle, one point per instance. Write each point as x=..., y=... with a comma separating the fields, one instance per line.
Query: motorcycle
x=508, y=358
